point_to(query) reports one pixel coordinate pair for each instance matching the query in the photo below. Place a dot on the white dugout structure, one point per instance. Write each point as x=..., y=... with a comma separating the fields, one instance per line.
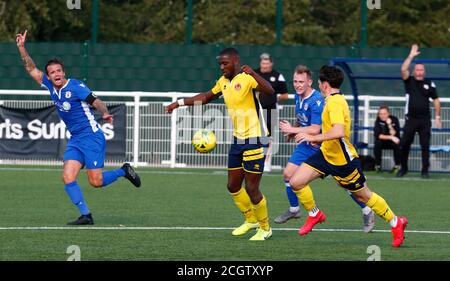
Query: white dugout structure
x=157, y=139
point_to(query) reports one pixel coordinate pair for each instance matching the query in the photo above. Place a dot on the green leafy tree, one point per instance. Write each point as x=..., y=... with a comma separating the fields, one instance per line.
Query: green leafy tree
x=307, y=22
x=142, y=21
x=234, y=22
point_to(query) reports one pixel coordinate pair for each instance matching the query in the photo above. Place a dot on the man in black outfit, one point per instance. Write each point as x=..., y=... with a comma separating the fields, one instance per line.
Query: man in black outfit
x=387, y=136
x=418, y=90
x=269, y=103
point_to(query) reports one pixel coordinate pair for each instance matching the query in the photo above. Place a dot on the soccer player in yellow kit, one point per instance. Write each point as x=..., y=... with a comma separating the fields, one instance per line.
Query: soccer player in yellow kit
x=246, y=157
x=337, y=157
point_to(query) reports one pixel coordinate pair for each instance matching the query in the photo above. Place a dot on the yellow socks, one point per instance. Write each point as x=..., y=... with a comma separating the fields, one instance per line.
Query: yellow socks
x=261, y=213
x=380, y=207
x=242, y=201
x=305, y=196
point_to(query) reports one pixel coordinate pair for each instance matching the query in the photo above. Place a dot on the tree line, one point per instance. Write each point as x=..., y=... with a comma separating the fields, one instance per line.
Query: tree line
x=304, y=22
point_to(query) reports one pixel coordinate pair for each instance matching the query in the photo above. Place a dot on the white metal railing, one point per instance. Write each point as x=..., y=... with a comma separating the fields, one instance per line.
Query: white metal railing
x=155, y=138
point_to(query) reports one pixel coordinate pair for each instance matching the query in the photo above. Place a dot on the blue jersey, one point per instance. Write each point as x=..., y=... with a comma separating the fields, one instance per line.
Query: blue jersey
x=72, y=107
x=308, y=112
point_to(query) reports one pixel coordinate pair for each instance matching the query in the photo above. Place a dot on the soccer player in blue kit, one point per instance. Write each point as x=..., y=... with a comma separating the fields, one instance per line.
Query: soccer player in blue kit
x=86, y=147
x=309, y=105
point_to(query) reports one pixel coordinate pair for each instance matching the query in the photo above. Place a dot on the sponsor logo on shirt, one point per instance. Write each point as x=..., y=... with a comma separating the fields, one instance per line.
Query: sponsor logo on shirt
x=66, y=106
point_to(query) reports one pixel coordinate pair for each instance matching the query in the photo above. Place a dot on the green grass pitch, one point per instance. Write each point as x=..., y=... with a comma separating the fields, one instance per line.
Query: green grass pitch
x=187, y=214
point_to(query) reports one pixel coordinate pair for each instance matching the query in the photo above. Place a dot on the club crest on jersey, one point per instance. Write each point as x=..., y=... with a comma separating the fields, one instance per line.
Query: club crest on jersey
x=305, y=107
x=237, y=87
x=68, y=94
x=272, y=79
x=426, y=86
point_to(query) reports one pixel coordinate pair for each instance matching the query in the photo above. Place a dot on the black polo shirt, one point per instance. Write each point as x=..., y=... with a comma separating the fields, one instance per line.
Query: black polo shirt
x=418, y=94
x=278, y=83
x=381, y=127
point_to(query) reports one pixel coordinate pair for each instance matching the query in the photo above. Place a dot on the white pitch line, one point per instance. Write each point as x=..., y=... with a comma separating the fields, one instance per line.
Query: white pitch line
x=219, y=173
x=194, y=228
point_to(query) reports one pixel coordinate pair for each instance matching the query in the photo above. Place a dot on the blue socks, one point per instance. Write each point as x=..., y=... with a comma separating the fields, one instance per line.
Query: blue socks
x=111, y=176
x=362, y=205
x=74, y=192
x=292, y=197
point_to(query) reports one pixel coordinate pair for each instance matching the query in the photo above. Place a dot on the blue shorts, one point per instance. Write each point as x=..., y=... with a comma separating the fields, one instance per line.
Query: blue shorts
x=89, y=150
x=301, y=153
x=349, y=176
x=248, y=155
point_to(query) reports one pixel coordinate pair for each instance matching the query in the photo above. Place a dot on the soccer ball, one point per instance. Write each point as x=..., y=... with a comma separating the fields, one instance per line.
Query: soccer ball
x=204, y=141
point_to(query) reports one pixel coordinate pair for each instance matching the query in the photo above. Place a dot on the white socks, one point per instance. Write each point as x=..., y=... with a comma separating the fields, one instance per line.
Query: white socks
x=393, y=222
x=313, y=212
x=366, y=210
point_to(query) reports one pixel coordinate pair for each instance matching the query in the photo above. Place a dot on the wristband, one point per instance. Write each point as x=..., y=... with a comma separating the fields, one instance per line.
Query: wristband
x=180, y=102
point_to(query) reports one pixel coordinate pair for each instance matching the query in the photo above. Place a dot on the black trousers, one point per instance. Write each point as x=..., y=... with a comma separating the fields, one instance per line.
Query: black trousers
x=423, y=127
x=386, y=144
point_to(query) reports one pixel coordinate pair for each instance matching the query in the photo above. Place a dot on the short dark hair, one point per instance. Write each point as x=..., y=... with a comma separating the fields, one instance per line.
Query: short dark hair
x=384, y=107
x=54, y=61
x=229, y=51
x=300, y=69
x=331, y=74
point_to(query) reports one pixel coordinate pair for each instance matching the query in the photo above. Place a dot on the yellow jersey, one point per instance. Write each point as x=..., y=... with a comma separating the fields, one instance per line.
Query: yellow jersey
x=243, y=105
x=337, y=152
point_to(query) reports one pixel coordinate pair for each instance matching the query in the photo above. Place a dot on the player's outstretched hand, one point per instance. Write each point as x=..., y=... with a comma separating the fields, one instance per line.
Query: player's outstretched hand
x=414, y=50
x=285, y=126
x=247, y=69
x=108, y=118
x=21, y=38
x=171, y=107
x=301, y=137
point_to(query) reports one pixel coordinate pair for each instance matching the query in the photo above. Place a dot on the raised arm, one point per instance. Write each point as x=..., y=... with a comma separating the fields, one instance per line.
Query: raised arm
x=405, y=66
x=263, y=85
x=35, y=73
x=202, y=98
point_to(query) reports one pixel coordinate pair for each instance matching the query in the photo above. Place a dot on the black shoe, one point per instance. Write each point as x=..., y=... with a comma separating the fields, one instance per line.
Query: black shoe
x=425, y=175
x=401, y=173
x=131, y=175
x=83, y=220
x=378, y=169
